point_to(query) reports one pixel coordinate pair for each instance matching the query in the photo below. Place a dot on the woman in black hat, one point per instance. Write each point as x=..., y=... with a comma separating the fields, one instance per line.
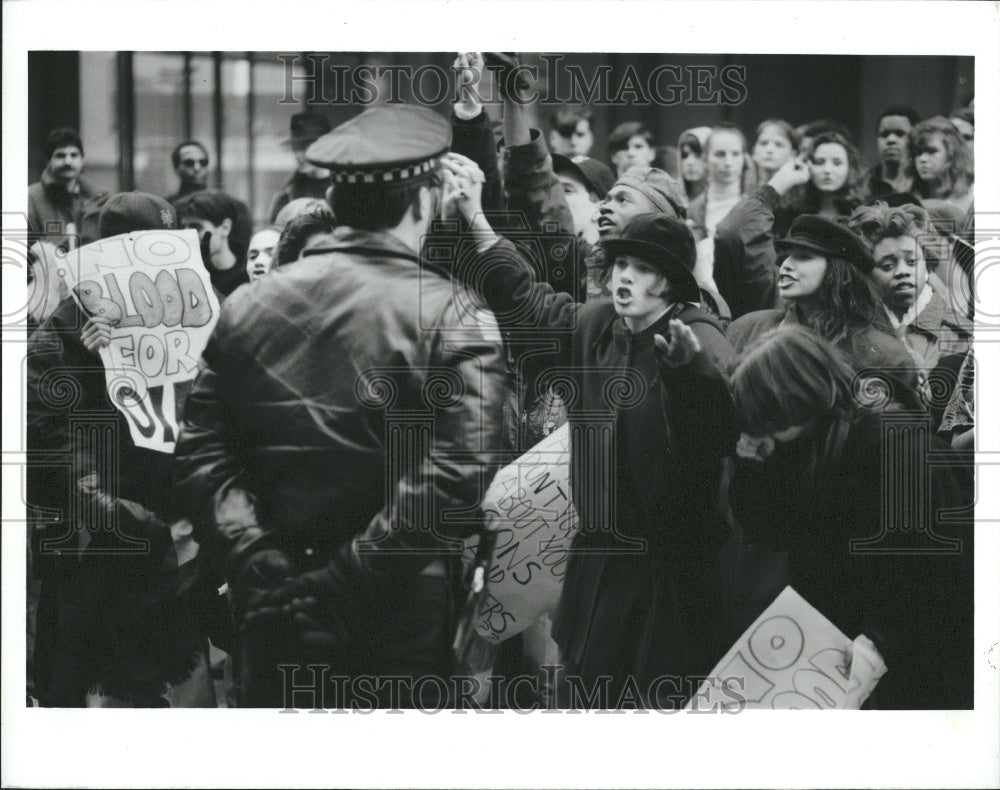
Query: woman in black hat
x=808, y=493
x=823, y=281
x=650, y=421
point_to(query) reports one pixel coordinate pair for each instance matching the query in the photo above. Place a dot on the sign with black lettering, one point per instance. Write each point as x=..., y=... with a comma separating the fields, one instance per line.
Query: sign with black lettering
x=530, y=506
x=154, y=289
x=793, y=658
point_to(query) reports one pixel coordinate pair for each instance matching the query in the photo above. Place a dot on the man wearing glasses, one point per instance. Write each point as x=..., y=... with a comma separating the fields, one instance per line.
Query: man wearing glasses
x=190, y=160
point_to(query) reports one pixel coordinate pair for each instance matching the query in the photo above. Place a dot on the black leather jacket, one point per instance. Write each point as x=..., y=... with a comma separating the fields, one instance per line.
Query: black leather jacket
x=352, y=394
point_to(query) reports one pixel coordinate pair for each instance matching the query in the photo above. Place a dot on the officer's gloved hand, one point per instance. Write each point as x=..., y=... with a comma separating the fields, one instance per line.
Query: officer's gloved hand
x=322, y=607
x=259, y=575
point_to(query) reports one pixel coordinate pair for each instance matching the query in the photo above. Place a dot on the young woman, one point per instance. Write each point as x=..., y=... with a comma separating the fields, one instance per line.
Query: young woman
x=728, y=167
x=691, y=160
x=940, y=165
x=833, y=189
x=650, y=422
x=773, y=145
x=807, y=489
x=824, y=281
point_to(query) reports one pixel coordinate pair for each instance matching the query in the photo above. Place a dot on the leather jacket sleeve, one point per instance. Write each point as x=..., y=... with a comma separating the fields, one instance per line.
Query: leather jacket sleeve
x=209, y=474
x=435, y=498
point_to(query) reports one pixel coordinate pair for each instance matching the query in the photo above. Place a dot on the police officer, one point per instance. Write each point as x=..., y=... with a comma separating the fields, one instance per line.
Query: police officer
x=339, y=438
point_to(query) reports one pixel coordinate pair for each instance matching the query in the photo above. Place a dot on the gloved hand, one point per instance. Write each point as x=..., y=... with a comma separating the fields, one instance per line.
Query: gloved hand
x=121, y=522
x=259, y=574
x=320, y=608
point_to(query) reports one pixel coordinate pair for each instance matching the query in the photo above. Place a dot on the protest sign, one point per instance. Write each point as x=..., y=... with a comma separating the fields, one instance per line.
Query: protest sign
x=530, y=507
x=792, y=658
x=154, y=289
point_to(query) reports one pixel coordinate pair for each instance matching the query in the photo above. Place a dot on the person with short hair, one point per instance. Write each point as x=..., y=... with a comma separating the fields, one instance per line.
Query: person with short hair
x=571, y=133
x=299, y=234
x=224, y=228
x=334, y=523
x=631, y=144
x=308, y=180
x=774, y=143
x=261, y=252
x=891, y=174
x=58, y=201
x=190, y=161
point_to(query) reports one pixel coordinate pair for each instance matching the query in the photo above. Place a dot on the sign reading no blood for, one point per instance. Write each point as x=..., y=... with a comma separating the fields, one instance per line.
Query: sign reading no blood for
x=154, y=289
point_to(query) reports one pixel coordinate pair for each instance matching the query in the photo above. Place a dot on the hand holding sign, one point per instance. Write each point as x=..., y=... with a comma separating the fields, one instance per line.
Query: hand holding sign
x=151, y=310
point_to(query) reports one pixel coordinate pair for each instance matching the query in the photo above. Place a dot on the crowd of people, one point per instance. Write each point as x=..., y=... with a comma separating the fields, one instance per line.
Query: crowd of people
x=773, y=304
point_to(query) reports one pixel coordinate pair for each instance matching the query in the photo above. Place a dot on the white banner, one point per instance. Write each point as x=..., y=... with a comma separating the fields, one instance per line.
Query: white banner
x=530, y=506
x=792, y=658
x=155, y=290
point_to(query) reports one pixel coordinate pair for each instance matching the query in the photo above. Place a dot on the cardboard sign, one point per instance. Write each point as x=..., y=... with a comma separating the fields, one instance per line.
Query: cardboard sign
x=155, y=290
x=530, y=506
x=793, y=658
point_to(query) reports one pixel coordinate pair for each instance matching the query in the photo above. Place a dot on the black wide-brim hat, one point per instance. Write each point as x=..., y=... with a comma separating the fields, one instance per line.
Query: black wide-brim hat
x=306, y=128
x=665, y=243
x=818, y=234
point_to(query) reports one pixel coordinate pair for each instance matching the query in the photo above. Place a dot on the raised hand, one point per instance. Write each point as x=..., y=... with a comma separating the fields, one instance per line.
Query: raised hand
x=679, y=347
x=463, y=186
x=793, y=173
x=468, y=68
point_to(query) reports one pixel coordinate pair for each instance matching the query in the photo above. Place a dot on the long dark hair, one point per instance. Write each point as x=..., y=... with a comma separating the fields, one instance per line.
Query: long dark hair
x=807, y=199
x=845, y=305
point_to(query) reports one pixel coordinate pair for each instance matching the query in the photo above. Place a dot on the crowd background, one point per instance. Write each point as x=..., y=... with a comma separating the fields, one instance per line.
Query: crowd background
x=132, y=108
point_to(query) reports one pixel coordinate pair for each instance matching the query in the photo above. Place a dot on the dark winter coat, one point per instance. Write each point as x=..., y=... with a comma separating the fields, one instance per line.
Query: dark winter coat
x=113, y=614
x=646, y=451
x=818, y=502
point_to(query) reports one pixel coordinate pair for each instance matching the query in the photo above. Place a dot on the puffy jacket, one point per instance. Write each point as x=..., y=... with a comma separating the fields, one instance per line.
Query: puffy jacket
x=319, y=382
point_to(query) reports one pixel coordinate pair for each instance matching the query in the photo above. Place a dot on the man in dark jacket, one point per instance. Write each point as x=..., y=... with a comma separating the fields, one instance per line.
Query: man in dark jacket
x=337, y=441
x=57, y=202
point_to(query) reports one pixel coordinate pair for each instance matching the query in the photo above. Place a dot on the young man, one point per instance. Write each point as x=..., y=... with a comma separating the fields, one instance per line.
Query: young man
x=631, y=144
x=332, y=511
x=57, y=202
x=585, y=182
x=190, y=161
x=890, y=174
x=571, y=134
x=650, y=421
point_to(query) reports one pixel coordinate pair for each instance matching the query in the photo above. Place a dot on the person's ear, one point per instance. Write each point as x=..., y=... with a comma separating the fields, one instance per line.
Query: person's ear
x=225, y=227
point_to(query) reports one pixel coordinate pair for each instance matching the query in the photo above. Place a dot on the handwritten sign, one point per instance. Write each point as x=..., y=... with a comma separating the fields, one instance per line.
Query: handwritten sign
x=793, y=658
x=530, y=506
x=154, y=289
